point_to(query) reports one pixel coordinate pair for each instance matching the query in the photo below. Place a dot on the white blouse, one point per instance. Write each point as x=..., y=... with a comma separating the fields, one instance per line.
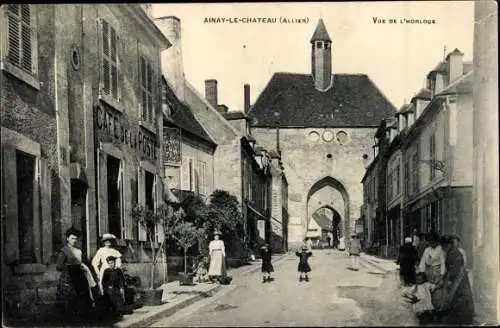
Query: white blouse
x=433, y=257
x=99, y=261
x=217, y=245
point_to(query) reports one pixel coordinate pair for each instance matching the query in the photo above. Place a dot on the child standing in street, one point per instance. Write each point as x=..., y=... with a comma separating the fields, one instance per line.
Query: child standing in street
x=113, y=283
x=304, y=267
x=420, y=297
x=267, y=266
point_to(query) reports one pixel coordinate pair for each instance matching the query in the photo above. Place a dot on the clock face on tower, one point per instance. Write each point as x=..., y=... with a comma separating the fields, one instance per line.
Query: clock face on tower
x=328, y=135
x=313, y=136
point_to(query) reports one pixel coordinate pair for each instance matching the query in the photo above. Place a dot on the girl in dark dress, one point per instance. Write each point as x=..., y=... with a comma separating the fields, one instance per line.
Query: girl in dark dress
x=407, y=260
x=267, y=266
x=304, y=267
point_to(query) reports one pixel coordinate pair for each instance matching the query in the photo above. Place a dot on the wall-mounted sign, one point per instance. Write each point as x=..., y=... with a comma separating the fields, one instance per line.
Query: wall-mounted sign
x=172, y=151
x=115, y=128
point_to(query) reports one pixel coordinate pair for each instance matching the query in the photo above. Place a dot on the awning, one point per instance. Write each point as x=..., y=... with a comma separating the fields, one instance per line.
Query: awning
x=428, y=198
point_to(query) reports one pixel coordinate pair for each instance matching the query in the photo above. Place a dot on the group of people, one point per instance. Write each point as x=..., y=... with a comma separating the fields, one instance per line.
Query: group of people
x=80, y=288
x=434, y=278
x=101, y=283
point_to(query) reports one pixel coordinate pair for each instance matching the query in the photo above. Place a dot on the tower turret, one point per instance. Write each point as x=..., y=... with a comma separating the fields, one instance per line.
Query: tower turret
x=321, y=57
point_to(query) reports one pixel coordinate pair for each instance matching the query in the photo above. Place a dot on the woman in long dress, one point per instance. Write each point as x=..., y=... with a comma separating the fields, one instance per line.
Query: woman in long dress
x=74, y=288
x=99, y=261
x=458, y=304
x=217, y=253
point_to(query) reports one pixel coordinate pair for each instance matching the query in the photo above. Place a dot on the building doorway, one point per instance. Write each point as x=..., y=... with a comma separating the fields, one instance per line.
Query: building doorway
x=114, y=196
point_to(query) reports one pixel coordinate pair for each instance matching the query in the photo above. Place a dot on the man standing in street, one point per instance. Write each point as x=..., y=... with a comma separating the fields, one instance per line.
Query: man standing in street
x=354, y=251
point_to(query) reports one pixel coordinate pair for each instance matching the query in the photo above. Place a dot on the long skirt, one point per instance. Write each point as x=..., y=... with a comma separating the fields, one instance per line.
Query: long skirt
x=304, y=267
x=462, y=306
x=433, y=273
x=217, y=264
x=267, y=266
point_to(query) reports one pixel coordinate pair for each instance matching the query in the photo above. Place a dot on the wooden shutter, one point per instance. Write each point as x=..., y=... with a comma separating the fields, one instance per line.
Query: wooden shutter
x=142, y=82
x=127, y=205
x=185, y=174
x=135, y=201
x=21, y=36
x=141, y=197
x=102, y=191
x=13, y=43
x=11, y=249
x=150, y=92
x=45, y=209
x=160, y=234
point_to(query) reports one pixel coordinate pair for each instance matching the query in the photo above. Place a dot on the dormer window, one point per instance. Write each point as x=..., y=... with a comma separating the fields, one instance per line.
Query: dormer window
x=319, y=44
x=327, y=45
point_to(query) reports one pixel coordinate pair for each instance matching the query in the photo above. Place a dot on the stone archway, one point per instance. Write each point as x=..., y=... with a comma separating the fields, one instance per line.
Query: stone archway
x=329, y=215
x=334, y=196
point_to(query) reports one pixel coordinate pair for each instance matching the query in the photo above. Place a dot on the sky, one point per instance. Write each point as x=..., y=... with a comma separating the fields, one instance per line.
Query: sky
x=396, y=56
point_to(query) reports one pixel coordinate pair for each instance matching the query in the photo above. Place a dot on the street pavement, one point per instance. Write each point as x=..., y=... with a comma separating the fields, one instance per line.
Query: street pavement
x=334, y=296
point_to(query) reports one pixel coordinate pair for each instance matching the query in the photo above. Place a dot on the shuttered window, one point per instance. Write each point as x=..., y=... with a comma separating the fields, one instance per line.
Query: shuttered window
x=21, y=37
x=146, y=85
x=432, y=155
x=110, y=61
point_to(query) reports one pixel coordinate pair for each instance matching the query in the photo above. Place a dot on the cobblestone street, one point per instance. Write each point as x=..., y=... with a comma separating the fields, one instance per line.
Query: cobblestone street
x=335, y=296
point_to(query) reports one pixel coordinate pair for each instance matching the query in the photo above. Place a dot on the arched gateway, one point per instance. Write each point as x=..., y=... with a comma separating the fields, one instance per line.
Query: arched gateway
x=328, y=192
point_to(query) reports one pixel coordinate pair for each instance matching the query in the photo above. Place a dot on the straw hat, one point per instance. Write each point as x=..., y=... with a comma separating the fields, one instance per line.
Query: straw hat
x=108, y=236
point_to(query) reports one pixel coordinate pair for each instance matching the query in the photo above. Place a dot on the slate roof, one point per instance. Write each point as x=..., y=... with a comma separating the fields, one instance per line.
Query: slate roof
x=352, y=101
x=183, y=117
x=323, y=221
x=320, y=32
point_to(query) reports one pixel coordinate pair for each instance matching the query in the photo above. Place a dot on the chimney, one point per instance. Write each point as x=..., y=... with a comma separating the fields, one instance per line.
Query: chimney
x=246, y=99
x=211, y=92
x=455, y=65
x=171, y=59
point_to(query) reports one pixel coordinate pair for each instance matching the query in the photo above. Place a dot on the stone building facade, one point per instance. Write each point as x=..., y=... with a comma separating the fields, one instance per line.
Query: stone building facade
x=326, y=129
x=235, y=167
x=80, y=110
x=426, y=157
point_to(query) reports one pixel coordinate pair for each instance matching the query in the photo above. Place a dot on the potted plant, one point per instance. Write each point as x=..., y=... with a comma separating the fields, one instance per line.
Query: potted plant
x=165, y=216
x=186, y=235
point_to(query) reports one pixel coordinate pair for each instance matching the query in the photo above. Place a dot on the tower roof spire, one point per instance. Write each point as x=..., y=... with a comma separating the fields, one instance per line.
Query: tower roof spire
x=320, y=34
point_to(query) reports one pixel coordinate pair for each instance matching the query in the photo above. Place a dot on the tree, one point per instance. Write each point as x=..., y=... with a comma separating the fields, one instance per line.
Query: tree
x=167, y=216
x=225, y=212
x=186, y=235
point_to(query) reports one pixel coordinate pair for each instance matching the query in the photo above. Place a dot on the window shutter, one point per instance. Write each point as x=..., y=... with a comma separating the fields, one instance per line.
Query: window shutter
x=141, y=232
x=26, y=38
x=102, y=191
x=160, y=234
x=150, y=92
x=127, y=204
x=134, y=199
x=45, y=206
x=11, y=249
x=113, y=61
x=185, y=174
x=142, y=75
x=14, y=50
x=102, y=50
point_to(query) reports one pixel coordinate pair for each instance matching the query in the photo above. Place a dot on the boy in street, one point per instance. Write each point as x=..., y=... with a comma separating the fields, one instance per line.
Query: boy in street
x=113, y=283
